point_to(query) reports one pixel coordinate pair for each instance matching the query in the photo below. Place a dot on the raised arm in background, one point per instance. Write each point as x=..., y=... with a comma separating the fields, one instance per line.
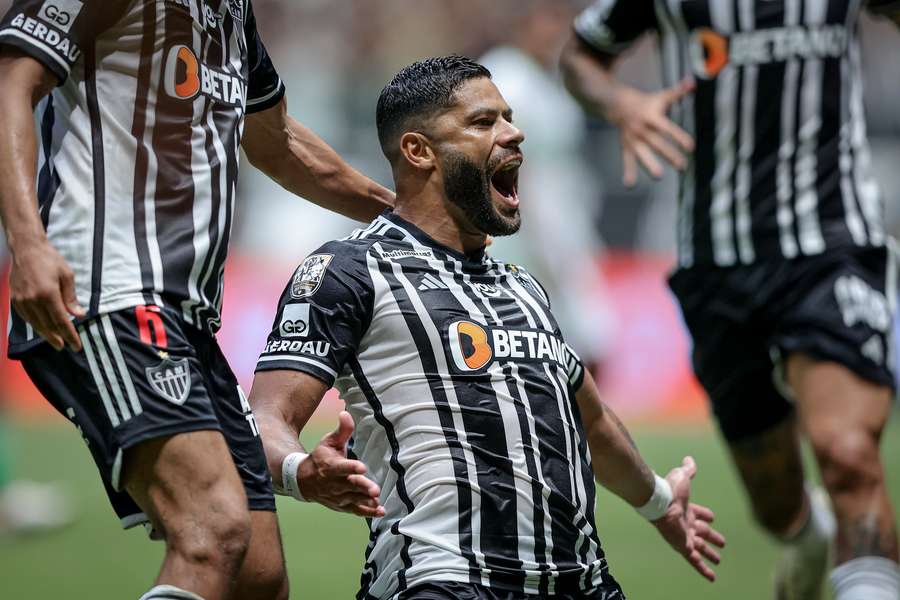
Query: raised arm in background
x=646, y=132
x=302, y=163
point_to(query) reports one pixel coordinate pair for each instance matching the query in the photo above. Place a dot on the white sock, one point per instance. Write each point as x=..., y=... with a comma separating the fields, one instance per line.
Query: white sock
x=169, y=592
x=820, y=524
x=866, y=578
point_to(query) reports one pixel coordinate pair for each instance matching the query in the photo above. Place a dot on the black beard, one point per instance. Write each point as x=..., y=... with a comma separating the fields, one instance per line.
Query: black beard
x=469, y=187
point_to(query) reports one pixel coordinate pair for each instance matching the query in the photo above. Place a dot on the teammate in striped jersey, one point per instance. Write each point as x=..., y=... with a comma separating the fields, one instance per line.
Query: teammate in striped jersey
x=479, y=424
x=783, y=262
x=120, y=199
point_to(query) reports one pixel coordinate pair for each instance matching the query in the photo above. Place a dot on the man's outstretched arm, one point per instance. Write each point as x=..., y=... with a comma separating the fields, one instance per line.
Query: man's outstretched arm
x=645, y=130
x=619, y=467
x=302, y=163
x=42, y=286
x=283, y=401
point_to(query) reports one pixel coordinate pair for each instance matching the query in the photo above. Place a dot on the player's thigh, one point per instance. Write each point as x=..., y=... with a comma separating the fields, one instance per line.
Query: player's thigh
x=732, y=360
x=189, y=488
x=843, y=413
x=838, y=337
x=263, y=574
x=137, y=383
x=238, y=424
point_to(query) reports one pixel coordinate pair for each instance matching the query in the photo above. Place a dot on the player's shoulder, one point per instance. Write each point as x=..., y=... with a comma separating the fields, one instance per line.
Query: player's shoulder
x=334, y=267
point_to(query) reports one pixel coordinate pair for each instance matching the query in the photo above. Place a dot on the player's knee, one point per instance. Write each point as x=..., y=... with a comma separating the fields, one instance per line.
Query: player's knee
x=849, y=461
x=219, y=539
x=270, y=582
x=774, y=518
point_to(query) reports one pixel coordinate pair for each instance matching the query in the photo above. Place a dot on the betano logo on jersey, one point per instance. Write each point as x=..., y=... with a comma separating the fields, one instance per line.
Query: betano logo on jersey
x=186, y=78
x=473, y=346
x=711, y=51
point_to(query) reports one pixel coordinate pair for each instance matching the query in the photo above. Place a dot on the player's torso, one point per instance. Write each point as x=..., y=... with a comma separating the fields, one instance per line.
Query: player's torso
x=140, y=149
x=781, y=167
x=463, y=366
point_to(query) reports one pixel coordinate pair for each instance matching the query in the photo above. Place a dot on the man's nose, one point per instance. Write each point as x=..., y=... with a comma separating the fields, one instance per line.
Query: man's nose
x=511, y=135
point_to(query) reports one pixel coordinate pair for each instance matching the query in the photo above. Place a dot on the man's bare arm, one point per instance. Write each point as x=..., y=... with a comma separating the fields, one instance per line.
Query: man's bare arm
x=42, y=286
x=617, y=464
x=283, y=402
x=645, y=129
x=302, y=163
x=619, y=467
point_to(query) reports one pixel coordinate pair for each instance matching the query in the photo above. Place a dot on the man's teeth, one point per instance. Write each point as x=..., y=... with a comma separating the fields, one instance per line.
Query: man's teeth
x=511, y=165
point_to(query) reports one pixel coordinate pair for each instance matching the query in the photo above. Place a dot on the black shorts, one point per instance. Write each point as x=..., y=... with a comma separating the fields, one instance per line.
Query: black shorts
x=144, y=373
x=473, y=591
x=837, y=307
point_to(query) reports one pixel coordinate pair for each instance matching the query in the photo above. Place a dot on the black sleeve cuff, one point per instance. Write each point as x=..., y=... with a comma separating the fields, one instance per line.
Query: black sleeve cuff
x=601, y=49
x=15, y=39
x=267, y=101
x=881, y=7
x=309, y=366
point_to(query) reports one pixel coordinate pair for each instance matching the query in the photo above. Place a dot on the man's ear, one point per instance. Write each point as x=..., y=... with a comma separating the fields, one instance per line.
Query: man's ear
x=416, y=150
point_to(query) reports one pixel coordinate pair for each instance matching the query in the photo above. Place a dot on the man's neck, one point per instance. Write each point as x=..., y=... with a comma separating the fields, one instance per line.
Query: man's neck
x=431, y=214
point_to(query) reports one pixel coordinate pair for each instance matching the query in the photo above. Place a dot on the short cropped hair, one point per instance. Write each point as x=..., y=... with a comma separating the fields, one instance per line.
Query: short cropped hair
x=419, y=91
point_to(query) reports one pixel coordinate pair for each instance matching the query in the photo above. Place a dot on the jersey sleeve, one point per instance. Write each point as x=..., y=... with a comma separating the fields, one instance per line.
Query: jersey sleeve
x=322, y=315
x=610, y=26
x=883, y=7
x=265, y=88
x=55, y=32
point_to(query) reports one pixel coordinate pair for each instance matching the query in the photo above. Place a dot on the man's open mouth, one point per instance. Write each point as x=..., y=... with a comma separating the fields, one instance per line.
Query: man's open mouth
x=505, y=181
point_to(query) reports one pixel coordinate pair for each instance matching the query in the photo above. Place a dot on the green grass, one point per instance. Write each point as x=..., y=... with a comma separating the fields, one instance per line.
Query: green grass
x=94, y=559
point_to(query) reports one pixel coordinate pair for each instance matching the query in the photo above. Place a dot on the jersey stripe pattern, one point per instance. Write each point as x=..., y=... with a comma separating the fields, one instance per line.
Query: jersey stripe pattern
x=138, y=149
x=462, y=391
x=782, y=167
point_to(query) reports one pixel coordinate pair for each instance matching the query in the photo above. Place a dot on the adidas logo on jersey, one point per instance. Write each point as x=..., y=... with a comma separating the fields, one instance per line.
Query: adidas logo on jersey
x=430, y=282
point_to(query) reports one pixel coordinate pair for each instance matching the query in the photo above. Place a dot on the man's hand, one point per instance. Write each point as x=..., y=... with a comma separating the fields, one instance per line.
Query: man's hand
x=646, y=132
x=42, y=290
x=331, y=479
x=686, y=526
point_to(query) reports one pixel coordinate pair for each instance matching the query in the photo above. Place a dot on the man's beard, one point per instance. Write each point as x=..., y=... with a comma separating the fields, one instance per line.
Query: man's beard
x=469, y=187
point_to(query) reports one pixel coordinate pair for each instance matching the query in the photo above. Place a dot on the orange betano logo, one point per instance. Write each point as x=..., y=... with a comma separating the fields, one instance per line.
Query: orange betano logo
x=469, y=345
x=182, y=73
x=709, y=53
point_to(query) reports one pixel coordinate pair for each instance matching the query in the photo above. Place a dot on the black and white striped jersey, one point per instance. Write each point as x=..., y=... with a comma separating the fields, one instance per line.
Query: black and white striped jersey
x=138, y=145
x=782, y=166
x=462, y=390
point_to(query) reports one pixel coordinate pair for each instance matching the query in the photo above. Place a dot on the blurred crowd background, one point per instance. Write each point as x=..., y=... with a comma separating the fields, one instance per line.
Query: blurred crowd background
x=603, y=250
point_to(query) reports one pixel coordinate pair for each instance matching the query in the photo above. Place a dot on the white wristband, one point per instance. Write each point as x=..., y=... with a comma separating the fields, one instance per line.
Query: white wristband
x=289, y=469
x=659, y=502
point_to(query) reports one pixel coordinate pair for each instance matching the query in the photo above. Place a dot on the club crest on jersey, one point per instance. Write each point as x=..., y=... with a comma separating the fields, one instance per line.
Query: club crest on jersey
x=171, y=378
x=521, y=276
x=309, y=275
